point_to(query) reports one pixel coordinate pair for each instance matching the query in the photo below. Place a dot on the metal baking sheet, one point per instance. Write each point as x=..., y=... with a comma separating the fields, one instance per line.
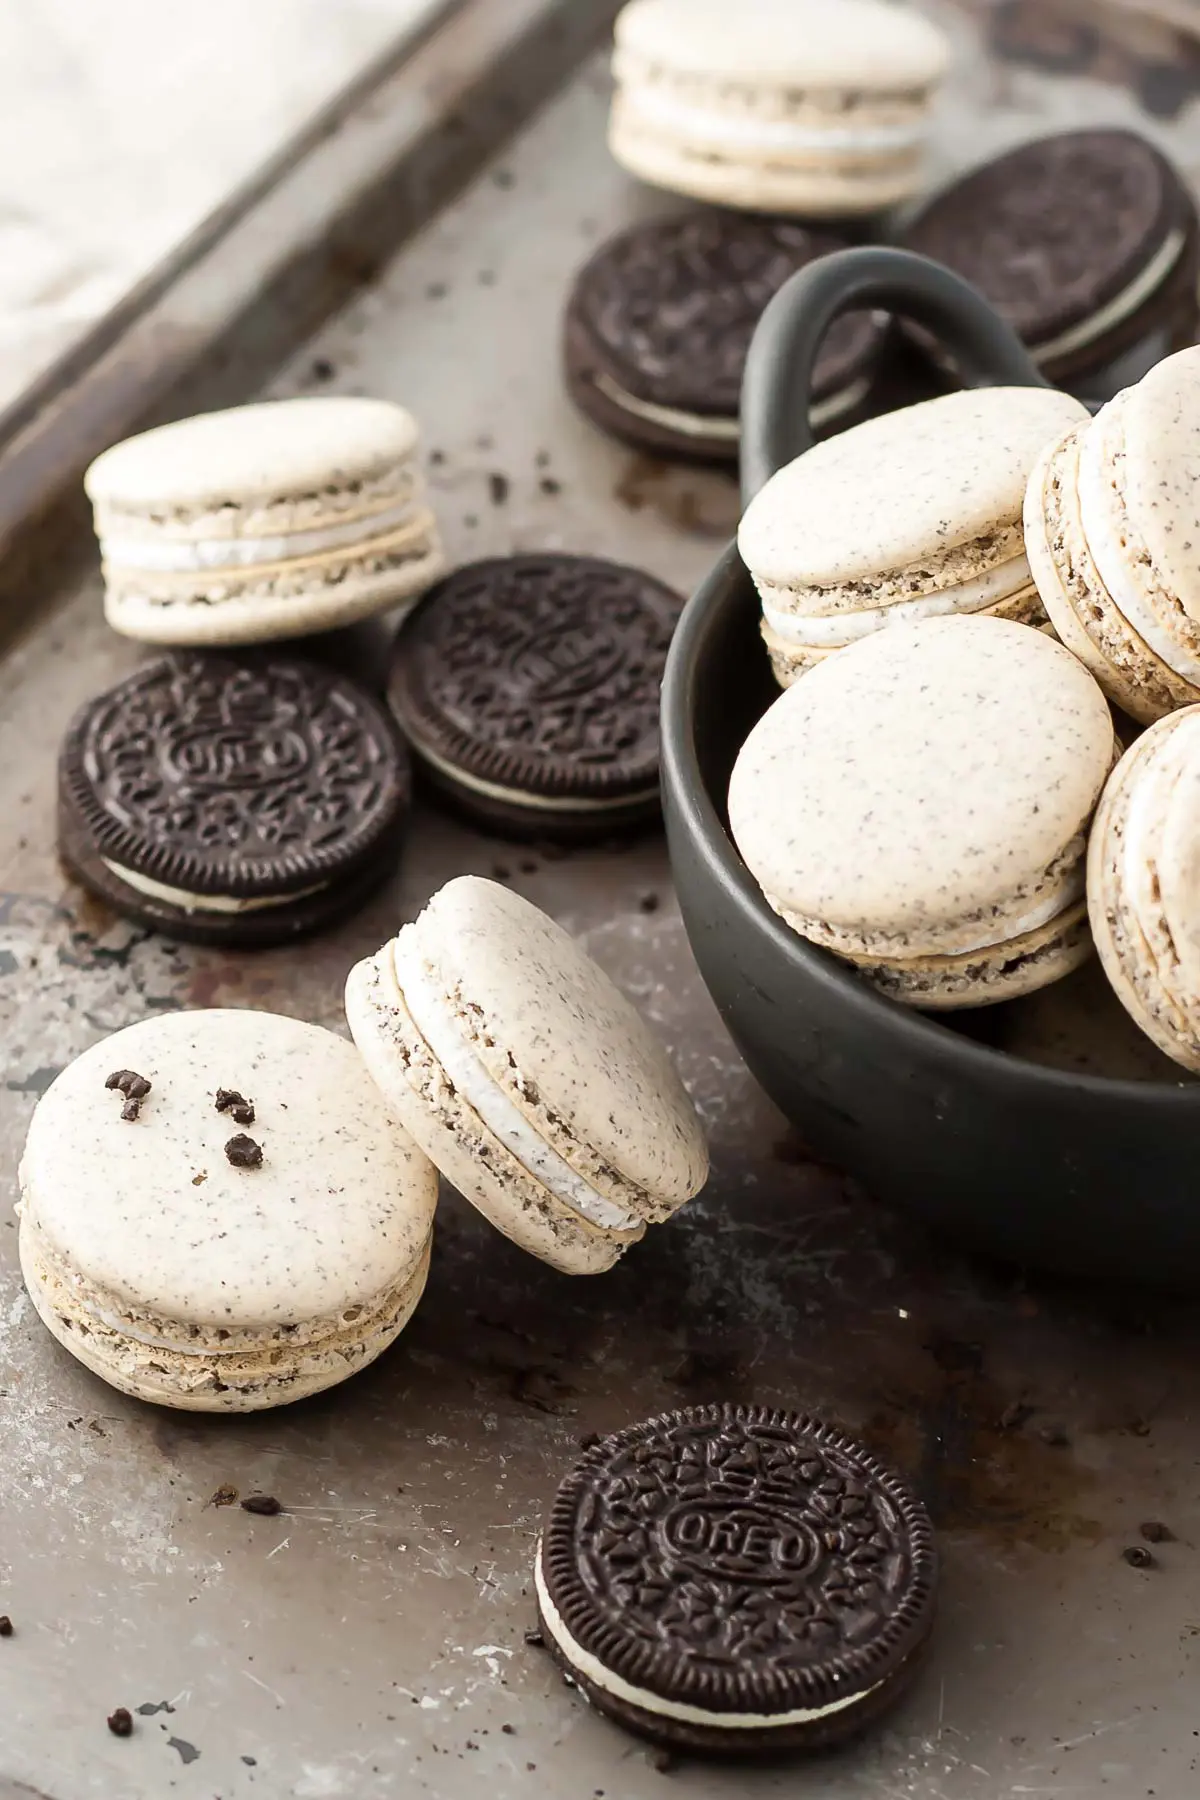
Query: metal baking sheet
x=370, y=1641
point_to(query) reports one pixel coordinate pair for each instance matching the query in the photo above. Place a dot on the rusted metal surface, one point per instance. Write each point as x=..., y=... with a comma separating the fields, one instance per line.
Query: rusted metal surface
x=369, y=1641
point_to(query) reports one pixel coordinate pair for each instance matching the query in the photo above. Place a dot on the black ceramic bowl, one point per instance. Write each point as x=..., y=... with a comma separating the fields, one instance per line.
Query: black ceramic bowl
x=1074, y=1173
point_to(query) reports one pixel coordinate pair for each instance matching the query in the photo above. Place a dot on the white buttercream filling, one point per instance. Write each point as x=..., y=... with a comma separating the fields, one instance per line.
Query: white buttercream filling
x=436, y=1023
x=528, y=802
x=1121, y=307
x=212, y=903
x=727, y=431
x=594, y=1671
x=833, y=630
x=694, y=121
x=1112, y=561
x=183, y=556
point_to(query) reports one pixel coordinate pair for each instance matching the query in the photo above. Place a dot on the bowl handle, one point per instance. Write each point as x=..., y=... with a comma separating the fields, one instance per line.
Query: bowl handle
x=778, y=378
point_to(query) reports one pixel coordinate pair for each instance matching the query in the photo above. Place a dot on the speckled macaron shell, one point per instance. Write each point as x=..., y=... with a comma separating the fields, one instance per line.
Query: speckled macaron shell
x=940, y=532
x=184, y=1279
x=779, y=106
x=581, y=1078
x=1112, y=523
x=926, y=794
x=264, y=521
x=1144, y=884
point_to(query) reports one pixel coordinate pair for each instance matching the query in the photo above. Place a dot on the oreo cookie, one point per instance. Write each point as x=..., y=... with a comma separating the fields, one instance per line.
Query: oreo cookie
x=527, y=687
x=660, y=319
x=232, y=800
x=736, y=1579
x=1086, y=242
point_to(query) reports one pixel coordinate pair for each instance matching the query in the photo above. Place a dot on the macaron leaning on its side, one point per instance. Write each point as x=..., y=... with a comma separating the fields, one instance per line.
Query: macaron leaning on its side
x=1112, y=527
x=1144, y=884
x=218, y=1214
x=913, y=515
x=919, y=805
x=533, y=1084
x=263, y=522
x=776, y=106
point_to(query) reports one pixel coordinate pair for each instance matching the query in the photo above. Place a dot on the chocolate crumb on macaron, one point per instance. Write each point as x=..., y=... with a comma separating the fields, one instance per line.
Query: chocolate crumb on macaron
x=660, y=319
x=232, y=800
x=737, y=1580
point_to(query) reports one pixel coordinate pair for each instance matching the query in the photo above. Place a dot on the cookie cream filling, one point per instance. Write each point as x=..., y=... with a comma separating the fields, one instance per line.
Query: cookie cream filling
x=431, y=1014
x=693, y=121
x=184, y=557
x=726, y=431
x=211, y=903
x=1121, y=307
x=528, y=802
x=833, y=630
x=1112, y=557
x=593, y=1670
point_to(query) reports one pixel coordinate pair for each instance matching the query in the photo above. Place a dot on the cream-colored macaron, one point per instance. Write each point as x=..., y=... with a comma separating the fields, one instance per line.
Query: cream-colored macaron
x=814, y=107
x=529, y=1079
x=263, y=522
x=920, y=805
x=1144, y=883
x=1112, y=525
x=913, y=515
x=218, y=1213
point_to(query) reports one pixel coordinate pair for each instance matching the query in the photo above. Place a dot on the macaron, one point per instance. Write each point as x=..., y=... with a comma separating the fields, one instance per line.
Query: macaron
x=776, y=106
x=1085, y=241
x=660, y=319
x=232, y=800
x=737, y=1580
x=539, y=1092
x=1144, y=884
x=913, y=515
x=528, y=689
x=263, y=522
x=218, y=1214
x=920, y=805
x=1112, y=526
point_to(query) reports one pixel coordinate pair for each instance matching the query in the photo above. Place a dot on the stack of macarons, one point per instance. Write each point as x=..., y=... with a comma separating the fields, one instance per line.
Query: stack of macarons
x=229, y=1210
x=942, y=800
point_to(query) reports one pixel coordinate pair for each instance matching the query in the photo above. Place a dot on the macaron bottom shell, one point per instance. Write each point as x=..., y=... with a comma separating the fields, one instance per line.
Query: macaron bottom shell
x=984, y=977
x=209, y=1380
x=457, y=1140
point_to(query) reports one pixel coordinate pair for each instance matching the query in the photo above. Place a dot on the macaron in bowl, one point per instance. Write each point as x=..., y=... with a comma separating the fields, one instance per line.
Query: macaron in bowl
x=919, y=805
x=263, y=522
x=1112, y=528
x=218, y=1214
x=776, y=106
x=913, y=515
x=534, y=1085
x=1144, y=884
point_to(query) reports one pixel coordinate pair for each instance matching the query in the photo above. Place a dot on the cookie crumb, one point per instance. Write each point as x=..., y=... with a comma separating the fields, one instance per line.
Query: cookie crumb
x=6, y=1625
x=243, y=1152
x=509, y=1730
x=135, y=1087
x=236, y=1105
x=535, y=1639
x=226, y=1495
x=120, y=1722
x=1155, y=1532
x=322, y=369
x=264, y=1504
x=549, y=486
x=1138, y=1557
x=498, y=488
x=665, y=1762
x=131, y=1108
x=648, y=903
x=197, y=1180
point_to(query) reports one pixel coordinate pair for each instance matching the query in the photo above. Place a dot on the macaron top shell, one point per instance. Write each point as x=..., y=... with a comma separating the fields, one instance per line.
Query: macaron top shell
x=287, y=448
x=1153, y=430
x=559, y=1037
x=152, y=1211
x=913, y=786
x=860, y=44
x=901, y=489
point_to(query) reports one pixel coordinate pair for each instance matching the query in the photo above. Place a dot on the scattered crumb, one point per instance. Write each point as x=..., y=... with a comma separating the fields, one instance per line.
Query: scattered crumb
x=120, y=1722
x=236, y=1105
x=664, y=1761
x=6, y=1626
x=322, y=369
x=265, y=1504
x=1138, y=1557
x=1155, y=1532
x=243, y=1152
x=498, y=488
x=535, y=1639
x=648, y=903
x=197, y=1180
x=509, y=1730
x=548, y=485
x=226, y=1495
